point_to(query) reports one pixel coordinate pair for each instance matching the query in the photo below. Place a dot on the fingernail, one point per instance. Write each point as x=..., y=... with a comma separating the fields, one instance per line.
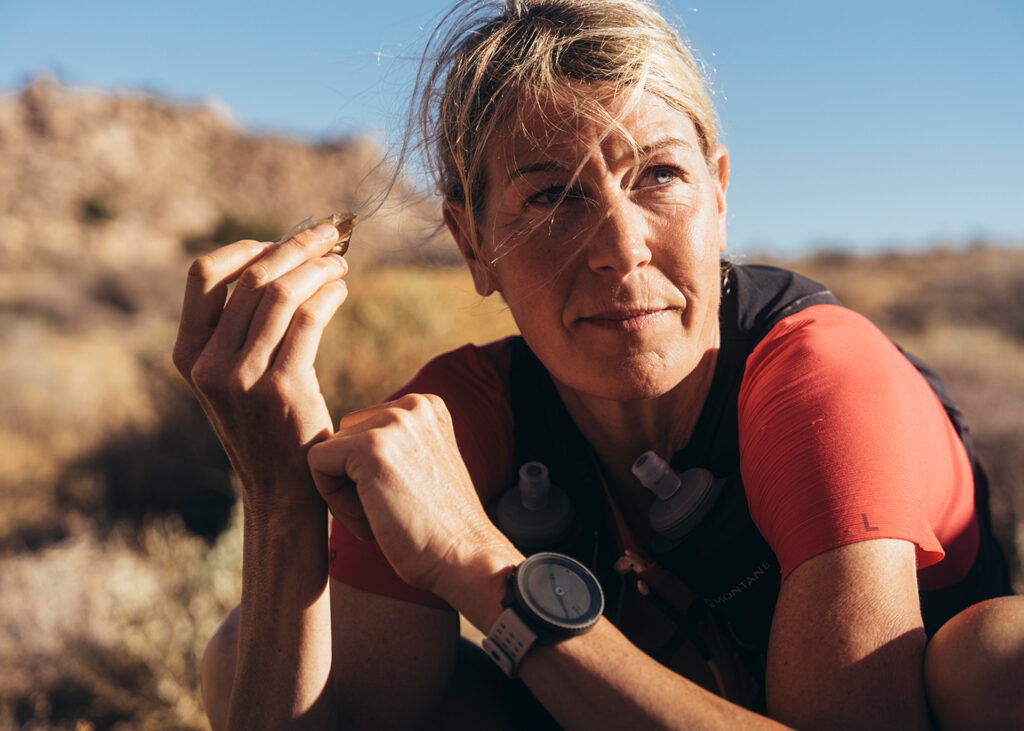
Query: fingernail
x=325, y=231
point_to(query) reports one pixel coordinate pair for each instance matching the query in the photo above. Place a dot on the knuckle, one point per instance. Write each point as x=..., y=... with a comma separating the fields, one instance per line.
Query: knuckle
x=279, y=385
x=435, y=402
x=204, y=376
x=279, y=293
x=411, y=401
x=237, y=384
x=428, y=405
x=307, y=317
x=377, y=441
x=255, y=276
x=308, y=241
x=202, y=269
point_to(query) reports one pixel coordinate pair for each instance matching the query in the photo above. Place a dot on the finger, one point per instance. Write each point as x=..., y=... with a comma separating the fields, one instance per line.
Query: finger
x=328, y=461
x=205, y=293
x=300, y=345
x=365, y=418
x=345, y=502
x=360, y=528
x=233, y=328
x=293, y=313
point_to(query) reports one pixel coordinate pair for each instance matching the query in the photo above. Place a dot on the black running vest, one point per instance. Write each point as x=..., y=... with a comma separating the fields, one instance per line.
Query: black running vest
x=725, y=561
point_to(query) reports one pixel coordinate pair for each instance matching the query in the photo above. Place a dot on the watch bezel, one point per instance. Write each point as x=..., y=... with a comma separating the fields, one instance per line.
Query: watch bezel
x=535, y=615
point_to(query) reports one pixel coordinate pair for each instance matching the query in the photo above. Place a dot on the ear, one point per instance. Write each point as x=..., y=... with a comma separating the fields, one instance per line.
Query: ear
x=458, y=222
x=721, y=158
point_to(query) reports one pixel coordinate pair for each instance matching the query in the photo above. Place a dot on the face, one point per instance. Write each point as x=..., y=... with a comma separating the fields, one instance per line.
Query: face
x=605, y=250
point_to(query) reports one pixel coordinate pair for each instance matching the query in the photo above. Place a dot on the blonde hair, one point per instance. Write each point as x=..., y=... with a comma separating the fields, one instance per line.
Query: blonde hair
x=491, y=59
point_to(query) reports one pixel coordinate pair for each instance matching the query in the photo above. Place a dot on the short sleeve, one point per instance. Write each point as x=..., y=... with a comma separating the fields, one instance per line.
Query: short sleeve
x=842, y=440
x=473, y=382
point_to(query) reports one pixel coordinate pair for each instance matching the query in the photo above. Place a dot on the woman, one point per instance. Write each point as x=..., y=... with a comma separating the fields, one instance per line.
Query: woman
x=576, y=151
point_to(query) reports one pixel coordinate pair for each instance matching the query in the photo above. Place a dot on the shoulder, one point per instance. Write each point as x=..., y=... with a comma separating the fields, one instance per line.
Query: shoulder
x=842, y=439
x=827, y=356
x=827, y=335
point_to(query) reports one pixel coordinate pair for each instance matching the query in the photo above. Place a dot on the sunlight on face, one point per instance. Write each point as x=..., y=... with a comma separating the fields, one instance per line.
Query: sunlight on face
x=605, y=241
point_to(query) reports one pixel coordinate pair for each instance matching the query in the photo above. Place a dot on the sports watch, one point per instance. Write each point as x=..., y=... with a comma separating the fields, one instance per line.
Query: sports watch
x=550, y=597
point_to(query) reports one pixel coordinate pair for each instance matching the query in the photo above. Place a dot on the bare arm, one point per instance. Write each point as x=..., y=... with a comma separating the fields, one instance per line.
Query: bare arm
x=847, y=639
x=846, y=652
x=284, y=633
x=249, y=360
x=847, y=644
x=387, y=650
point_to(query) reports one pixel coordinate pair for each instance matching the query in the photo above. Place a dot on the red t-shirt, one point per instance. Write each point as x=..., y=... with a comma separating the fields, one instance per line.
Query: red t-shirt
x=841, y=440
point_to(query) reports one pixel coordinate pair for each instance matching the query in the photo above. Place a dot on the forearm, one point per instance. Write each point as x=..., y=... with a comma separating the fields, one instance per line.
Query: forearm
x=602, y=680
x=284, y=646
x=599, y=679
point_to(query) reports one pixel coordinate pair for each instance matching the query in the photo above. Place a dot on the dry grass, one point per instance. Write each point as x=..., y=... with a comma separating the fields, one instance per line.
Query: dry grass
x=107, y=593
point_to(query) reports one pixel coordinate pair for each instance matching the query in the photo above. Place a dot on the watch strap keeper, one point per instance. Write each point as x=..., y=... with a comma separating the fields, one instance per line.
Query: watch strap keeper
x=508, y=641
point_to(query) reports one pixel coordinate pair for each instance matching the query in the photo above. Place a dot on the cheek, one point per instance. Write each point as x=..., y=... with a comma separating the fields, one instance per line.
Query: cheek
x=689, y=245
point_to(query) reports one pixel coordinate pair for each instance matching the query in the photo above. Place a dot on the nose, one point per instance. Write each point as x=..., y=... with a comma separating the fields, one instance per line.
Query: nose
x=620, y=243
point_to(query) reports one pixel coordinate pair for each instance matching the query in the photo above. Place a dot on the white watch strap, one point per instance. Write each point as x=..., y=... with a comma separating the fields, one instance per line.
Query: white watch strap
x=508, y=641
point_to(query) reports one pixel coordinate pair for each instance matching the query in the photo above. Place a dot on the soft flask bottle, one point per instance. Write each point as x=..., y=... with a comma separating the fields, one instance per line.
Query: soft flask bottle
x=682, y=500
x=535, y=514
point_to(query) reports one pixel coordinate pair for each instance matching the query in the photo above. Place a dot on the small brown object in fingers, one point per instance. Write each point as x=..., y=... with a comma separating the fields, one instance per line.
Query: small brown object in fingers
x=344, y=222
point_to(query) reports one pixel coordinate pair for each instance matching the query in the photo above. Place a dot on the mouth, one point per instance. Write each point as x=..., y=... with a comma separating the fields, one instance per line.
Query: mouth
x=629, y=319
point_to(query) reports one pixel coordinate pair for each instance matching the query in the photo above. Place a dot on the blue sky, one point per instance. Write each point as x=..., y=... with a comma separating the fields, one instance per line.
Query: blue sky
x=863, y=125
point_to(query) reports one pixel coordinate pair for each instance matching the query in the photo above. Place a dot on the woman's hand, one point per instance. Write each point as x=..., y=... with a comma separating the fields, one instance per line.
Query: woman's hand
x=249, y=357
x=394, y=472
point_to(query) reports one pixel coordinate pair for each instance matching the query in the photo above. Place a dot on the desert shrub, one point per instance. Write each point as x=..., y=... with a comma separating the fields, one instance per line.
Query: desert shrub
x=110, y=288
x=109, y=634
x=98, y=207
x=179, y=468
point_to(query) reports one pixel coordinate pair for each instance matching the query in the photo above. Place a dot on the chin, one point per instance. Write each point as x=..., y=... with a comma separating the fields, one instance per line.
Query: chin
x=636, y=378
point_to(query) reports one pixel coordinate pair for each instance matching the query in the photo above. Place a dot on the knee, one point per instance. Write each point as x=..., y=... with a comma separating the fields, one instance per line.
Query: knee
x=218, y=670
x=973, y=666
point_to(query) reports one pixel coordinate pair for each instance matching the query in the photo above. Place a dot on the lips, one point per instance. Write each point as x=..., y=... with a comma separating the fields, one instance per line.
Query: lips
x=628, y=318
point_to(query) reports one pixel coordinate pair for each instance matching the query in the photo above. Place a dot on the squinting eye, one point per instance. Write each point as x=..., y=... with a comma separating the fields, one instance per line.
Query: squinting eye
x=661, y=176
x=551, y=196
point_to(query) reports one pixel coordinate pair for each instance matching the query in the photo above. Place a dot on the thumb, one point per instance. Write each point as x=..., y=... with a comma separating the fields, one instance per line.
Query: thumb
x=327, y=462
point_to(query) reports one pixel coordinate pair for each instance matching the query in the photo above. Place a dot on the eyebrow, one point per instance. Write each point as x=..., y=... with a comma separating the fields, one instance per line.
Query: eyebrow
x=544, y=166
x=661, y=144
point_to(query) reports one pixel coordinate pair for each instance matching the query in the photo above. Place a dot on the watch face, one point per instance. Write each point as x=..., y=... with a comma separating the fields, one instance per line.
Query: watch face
x=560, y=592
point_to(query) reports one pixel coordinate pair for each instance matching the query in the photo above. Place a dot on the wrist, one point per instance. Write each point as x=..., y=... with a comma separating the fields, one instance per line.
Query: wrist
x=479, y=587
x=285, y=522
x=282, y=502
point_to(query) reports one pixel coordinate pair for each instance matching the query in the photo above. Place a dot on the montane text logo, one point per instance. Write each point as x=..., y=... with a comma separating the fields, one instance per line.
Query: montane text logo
x=740, y=587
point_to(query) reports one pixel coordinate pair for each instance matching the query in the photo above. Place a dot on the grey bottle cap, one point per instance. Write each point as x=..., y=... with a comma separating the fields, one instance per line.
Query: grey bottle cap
x=676, y=517
x=534, y=485
x=655, y=474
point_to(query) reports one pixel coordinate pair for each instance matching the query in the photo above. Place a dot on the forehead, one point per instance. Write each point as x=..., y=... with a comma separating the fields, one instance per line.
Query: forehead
x=585, y=120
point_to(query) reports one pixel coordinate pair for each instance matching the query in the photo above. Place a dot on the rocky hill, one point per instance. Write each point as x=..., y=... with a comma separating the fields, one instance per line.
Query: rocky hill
x=106, y=181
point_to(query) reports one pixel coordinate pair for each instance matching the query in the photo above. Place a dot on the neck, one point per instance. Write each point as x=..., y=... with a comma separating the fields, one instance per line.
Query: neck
x=620, y=431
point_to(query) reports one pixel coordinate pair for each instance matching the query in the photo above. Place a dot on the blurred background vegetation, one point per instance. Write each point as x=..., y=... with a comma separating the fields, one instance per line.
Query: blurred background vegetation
x=119, y=530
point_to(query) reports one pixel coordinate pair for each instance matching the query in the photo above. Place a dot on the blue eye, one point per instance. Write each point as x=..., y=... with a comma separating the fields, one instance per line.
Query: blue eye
x=662, y=176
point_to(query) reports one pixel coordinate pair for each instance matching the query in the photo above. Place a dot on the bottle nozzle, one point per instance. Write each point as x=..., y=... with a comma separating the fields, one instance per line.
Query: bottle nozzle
x=655, y=474
x=534, y=485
